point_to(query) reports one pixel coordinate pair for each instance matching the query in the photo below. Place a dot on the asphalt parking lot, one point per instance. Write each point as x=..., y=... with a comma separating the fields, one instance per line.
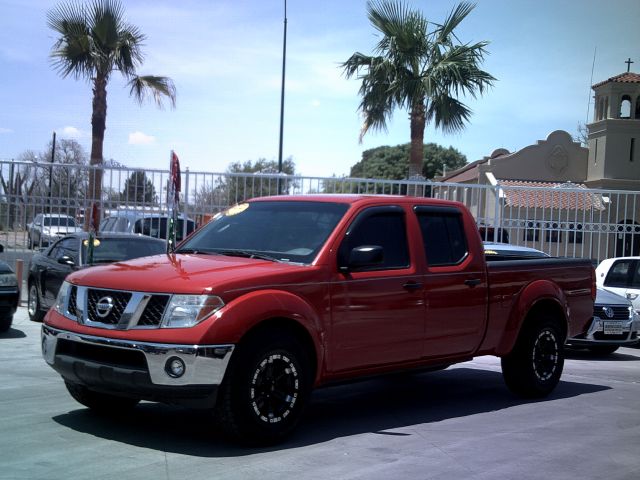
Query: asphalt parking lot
x=461, y=423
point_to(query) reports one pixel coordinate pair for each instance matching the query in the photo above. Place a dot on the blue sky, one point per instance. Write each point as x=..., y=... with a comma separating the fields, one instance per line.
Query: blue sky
x=225, y=59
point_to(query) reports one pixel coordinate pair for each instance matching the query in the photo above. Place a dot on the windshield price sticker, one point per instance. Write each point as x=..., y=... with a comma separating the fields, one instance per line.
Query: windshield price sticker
x=236, y=209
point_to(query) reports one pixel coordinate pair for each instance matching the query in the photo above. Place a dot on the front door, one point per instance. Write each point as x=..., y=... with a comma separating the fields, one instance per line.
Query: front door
x=377, y=311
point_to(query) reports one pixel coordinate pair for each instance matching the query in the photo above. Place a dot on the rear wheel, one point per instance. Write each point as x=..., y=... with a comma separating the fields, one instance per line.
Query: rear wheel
x=264, y=392
x=100, y=402
x=33, y=304
x=603, y=349
x=534, y=366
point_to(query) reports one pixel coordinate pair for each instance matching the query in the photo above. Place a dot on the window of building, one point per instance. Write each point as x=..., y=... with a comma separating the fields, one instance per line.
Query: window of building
x=575, y=233
x=625, y=107
x=532, y=232
x=552, y=233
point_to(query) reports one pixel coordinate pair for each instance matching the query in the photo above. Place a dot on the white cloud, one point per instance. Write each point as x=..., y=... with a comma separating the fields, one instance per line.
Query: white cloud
x=71, y=132
x=5, y=130
x=315, y=103
x=139, y=138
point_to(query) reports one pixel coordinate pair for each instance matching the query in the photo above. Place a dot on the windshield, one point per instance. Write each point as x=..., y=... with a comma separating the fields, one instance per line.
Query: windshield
x=289, y=231
x=108, y=250
x=59, y=222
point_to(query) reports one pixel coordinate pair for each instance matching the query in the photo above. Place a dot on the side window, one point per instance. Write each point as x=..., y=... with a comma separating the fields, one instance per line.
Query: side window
x=618, y=275
x=120, y=224
x=68, y=246
x=381, y=227
x=442, y=235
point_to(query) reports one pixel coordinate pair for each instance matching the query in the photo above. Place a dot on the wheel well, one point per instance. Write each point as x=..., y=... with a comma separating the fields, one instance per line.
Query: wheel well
x=287, y=327
x=548, y=309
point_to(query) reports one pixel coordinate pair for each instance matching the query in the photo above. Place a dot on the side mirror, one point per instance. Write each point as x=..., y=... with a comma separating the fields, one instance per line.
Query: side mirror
x=1, y=248
x=66, y=260
x=364, y=256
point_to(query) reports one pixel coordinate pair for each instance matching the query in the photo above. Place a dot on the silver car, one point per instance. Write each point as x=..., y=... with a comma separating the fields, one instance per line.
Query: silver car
x=46, y=228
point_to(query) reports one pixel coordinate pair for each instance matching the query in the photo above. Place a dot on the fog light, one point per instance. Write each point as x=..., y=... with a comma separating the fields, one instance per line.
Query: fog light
x=175, y=367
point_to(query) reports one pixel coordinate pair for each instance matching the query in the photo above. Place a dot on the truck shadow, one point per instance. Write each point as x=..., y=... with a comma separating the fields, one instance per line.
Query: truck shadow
x=13, y=332
x=378, y=405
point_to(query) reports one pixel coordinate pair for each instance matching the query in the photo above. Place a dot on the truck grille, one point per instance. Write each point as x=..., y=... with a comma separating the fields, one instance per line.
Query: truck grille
x=98, y=300
x=115, y=308
x=153, y=312
x=619, y=313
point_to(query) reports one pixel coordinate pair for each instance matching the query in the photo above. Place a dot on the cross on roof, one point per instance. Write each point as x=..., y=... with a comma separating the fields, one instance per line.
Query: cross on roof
x=629, y=62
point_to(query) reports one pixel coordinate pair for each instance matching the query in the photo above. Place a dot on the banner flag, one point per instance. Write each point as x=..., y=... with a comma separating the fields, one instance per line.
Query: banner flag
x=173, y=199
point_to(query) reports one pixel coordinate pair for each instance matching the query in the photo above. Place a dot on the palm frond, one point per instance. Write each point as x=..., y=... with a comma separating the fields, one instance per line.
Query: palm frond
x=457, y=15
x=448, y=113
x=158, y=88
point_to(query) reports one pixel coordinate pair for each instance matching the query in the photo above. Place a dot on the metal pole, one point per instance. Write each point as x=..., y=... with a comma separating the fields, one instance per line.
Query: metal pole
x=284, y=57
x=53, y=155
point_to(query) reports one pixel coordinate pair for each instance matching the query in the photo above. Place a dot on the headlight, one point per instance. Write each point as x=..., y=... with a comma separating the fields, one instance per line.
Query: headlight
x=188, y=310
x=8, y=280
x=61, y=299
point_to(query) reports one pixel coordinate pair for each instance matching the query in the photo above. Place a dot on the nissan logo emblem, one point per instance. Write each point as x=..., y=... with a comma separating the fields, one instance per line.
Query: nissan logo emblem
x=608, y=311
x=104, y=307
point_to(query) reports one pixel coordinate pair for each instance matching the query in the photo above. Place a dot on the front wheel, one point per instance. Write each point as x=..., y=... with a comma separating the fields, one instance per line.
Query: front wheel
x=33, y=304
x=100, y=402
x=534, y=366
x=265, y=389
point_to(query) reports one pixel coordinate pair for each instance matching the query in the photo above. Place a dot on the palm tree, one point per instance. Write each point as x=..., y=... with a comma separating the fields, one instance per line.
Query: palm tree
x=419, y=66
x=95, y=40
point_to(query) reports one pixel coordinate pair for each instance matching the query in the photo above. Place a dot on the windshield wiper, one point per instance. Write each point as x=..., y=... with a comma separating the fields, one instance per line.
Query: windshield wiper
x=248, y=254
x=195, y=251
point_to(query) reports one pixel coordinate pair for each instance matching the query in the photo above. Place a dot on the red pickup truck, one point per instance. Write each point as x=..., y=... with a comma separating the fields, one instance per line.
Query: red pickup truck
x=279, y=295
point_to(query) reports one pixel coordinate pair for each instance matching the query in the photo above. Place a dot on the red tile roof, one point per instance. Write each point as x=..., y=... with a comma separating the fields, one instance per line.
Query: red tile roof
x=566, y=196
x=627, y=77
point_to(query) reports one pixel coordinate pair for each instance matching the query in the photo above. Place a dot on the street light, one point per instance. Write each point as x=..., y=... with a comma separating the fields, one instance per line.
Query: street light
x=284, y=57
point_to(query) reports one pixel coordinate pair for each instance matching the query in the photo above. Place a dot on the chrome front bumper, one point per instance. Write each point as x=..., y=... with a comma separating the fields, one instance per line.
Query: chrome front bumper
x=204, y=364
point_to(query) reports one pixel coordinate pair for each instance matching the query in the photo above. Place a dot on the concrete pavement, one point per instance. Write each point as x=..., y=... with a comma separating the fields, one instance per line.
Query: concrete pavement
x=461, y=423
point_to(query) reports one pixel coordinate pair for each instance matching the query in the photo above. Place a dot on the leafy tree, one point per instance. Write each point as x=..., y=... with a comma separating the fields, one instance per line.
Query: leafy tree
x=95, y=41
x=139, y=189
x=264, y=182
x=391, y=162
x=419, y=66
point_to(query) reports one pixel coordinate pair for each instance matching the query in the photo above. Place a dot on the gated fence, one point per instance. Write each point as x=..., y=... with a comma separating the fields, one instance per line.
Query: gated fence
x=567, y=220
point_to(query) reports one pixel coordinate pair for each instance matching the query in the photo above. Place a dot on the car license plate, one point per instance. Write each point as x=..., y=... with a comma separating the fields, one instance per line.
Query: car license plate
x=614, y=328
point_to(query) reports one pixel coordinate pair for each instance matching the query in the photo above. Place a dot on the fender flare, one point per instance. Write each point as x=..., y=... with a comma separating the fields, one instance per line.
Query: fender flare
x=246, y=312
x=537, y=294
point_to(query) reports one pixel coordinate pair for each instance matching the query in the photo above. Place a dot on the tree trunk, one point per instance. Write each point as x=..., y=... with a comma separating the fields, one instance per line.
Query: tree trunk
x=98, y=126
x=416, y=155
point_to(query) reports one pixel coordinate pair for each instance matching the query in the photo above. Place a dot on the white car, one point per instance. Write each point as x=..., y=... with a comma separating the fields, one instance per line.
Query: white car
x=46, y=228
x=622, y=276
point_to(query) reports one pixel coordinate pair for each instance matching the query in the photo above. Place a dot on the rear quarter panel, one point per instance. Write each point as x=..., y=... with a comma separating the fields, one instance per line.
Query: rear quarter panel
x=518, y=286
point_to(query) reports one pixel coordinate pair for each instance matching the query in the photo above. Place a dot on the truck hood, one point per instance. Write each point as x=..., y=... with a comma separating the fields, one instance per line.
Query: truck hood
x=191, y=274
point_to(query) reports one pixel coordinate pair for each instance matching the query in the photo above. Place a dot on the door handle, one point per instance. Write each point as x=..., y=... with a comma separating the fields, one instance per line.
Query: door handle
x=472, y=282
x=412, y=286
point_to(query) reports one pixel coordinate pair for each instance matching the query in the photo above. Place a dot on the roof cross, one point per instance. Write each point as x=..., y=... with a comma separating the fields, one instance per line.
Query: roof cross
x=629, y=62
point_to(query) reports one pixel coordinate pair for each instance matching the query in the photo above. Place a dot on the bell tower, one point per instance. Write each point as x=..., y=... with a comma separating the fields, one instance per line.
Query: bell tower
x=614, y=134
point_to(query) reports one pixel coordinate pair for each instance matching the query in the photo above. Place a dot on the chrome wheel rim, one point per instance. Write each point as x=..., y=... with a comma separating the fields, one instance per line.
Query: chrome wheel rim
x=33, y=300
x=275, y=387
x=545, y=355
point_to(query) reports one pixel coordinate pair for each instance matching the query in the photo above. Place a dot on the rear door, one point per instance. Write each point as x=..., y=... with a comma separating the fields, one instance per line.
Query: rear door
x=455, y=281
x=377, y=311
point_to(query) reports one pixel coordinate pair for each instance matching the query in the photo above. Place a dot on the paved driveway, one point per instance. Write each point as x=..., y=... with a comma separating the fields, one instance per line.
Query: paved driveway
x=460, y=423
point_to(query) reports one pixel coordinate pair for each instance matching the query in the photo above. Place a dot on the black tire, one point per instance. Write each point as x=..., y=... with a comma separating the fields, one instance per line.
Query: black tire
x=534, y=366
x=29, y=242
x=5, y=323
x=603, y=349
x=33, y=304
x=100, y=402
x=265, y=389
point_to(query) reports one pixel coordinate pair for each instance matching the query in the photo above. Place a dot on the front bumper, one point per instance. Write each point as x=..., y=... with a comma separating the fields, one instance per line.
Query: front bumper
x=135, y=368
x=626, y=333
